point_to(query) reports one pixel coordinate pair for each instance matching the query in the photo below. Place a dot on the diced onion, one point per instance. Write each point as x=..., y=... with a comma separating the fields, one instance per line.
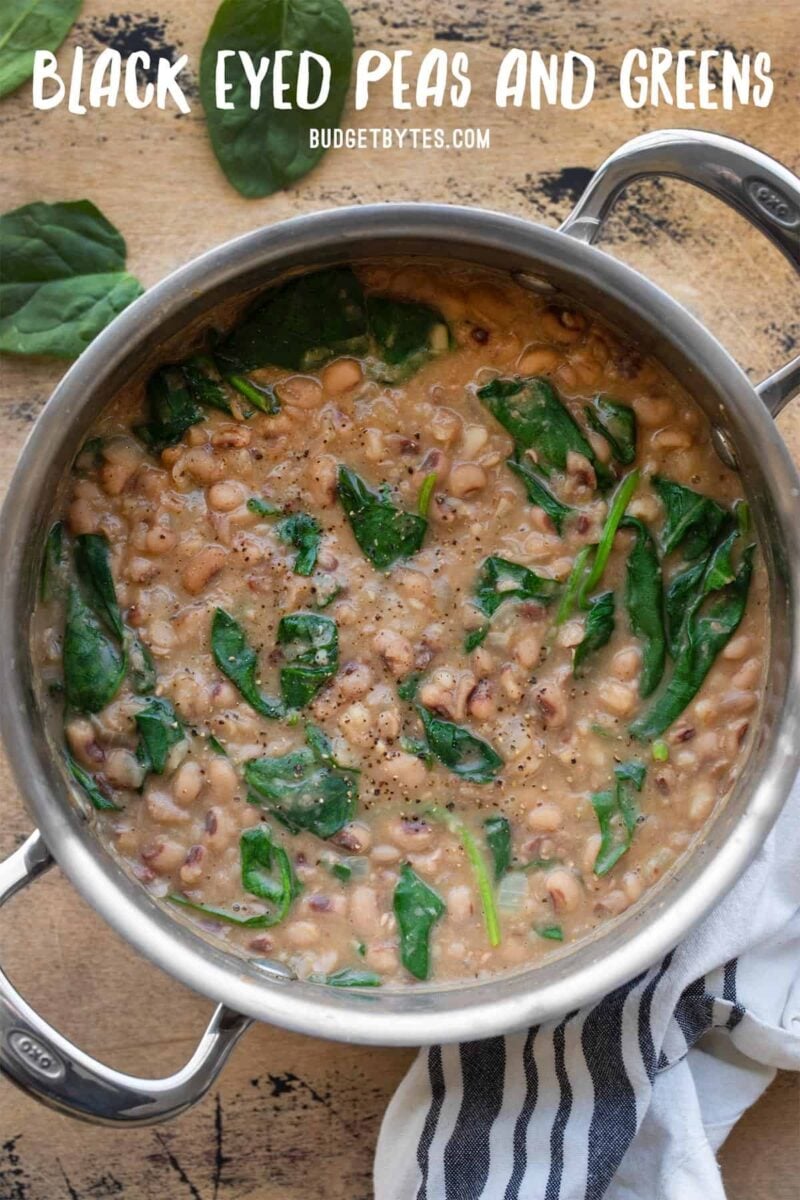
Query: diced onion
x=512, y=891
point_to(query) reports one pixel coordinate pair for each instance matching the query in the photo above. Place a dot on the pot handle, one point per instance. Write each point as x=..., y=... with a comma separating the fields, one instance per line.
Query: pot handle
x=757, y=186
x=48, y=1066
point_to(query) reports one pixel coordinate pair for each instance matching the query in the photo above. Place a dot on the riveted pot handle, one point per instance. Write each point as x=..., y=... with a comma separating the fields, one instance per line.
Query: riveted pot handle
x=45, y=1064
x=757, y=186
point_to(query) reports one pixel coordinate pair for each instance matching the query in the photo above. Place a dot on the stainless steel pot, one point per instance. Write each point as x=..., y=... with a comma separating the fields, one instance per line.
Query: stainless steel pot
x=46, y=1064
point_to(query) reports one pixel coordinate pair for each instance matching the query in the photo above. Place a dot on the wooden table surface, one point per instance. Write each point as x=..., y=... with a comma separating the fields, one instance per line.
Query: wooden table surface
x=291, y=1117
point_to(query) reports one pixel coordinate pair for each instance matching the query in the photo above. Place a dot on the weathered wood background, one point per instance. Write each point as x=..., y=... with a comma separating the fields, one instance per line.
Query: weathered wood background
x=292, y=1118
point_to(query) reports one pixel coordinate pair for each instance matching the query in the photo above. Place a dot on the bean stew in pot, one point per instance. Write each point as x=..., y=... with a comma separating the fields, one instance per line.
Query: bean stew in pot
x=409, y=628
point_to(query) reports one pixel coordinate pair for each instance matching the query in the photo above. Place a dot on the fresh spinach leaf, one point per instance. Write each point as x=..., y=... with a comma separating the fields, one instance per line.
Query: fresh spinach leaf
x=311, y=642
x=688, y=589
x=238, y=661
x=644, y=600
x=383, y=532
x=407, y=688
x=417, y=909
x=263, y=508
x=419, y=748
x=349, y=977
x=141, y=668
x=62, y=277
x=617, y=813
x=303, y=792
x=171, y=409
x=597, y=632
x=93, y=567
x=498, y=839
x=305, y=534
x=622, y=498
x=27, y=26
x=259, y=921
x=572, y=587
x=204, y=385
x=263, y=396
x=94, y=667
x=531, y=411
x=693, y=521
x=553, y=933
x=264, y=148
x=460, y=750
x=160, y=729
x=300, y=325
x=708, y=630
x=500, y=580
x=267, y=872
x=51, y=577
x=617, y=424
x=475, y=638
x=476, y=861
x=406, y=335
x=538, y=492
x=89, y=785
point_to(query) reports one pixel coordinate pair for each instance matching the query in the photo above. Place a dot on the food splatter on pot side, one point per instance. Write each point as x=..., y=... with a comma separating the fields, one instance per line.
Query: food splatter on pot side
x=411, y=629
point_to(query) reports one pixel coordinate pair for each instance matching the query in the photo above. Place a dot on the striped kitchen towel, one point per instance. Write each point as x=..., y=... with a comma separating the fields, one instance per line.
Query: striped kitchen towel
x=628, y=1099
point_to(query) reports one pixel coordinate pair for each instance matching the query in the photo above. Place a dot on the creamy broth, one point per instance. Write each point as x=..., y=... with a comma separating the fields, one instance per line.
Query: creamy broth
x=465, y=793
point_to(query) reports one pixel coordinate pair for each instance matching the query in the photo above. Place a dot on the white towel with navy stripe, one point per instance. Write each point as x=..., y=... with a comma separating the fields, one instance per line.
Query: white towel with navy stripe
x=628, y=1099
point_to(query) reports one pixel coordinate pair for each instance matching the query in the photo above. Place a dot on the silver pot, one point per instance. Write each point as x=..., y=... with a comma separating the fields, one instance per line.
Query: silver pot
x=45, y=1063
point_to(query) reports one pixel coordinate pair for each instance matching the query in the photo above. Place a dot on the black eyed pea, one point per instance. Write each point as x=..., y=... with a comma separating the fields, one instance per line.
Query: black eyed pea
x=123, y=769
x=460, y=906
x=341, y=376
x=395, y=650
x=202, y=568
x=364, y=912
x=405, y=771
x=163, y=855
x=300, y=391
x=222, y=779
x=564, y=890
x=187, y=782
x=163, y=810
x=354, y=680
x=194, y=865
x=466, y=479
x=226, y=495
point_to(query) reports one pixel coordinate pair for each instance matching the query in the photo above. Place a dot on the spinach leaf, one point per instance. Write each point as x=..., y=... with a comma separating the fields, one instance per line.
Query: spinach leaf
x=93, y=567
x=264, y=397
x=51, y=577
x=260, y=921
x=417, y=909
x=141, y=668
x=597, y=632
x=689, y=587
x=300, y=325
x=171, y=409
x=62, y=277
x=573, y=585
x=426, y=493
x=263, y=508
x=531, y=411
x=476, y=861
x=552, y=933
x=475, y=638
x=407, y=688
x=349, y=977
x=622, y=498
x=419, y=748
x=383, y=532
x=266, y=148
x=617, y=424
x=267, y=872
x=89, y=785
x=305, y=534
x=160, y=729
x=538, y=492
x=237, y=660
x=693, y=521
x=406, y=335
x=312, y=644
x=303, y=792
x=500, y=580
x=498, y=839
x=93, y=665
x=644, y=600
x=27, y=26
x=708, y=630
x=460, y=750
x=617, y=813
x=204, y=387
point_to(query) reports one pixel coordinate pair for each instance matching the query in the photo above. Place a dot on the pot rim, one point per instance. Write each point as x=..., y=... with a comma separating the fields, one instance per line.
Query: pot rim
x=417, y=1015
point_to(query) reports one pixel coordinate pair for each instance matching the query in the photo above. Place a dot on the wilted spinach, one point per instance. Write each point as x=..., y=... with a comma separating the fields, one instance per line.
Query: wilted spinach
x=693, y=521
x=205, y=387
x=689, y=587
x=237, y=660
x=160, y=729
x=263, y=508
x=93, y=567
x=460, y=750
x=51, y=577
x=311, y=643
x=62, y=277
x=709, y=628
x=303, y=791
x=349, y=977
x=538, y=492
x=644, y=600
x=266, y=148
x=498, y=839
x=259, y=921
x=304, y=533
x=405, y=335
x=267, y=872
x=171, y=409
x=531, y=411
x=94, y=666
x=617, y=424
x=597, y=631
x=622, y=498
x=300, y=324
x=27, y=26
x=476, y=861
x=383, y=532
x=90, y=786
x=417, y=908
x=499, y=580
x=617, y=813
